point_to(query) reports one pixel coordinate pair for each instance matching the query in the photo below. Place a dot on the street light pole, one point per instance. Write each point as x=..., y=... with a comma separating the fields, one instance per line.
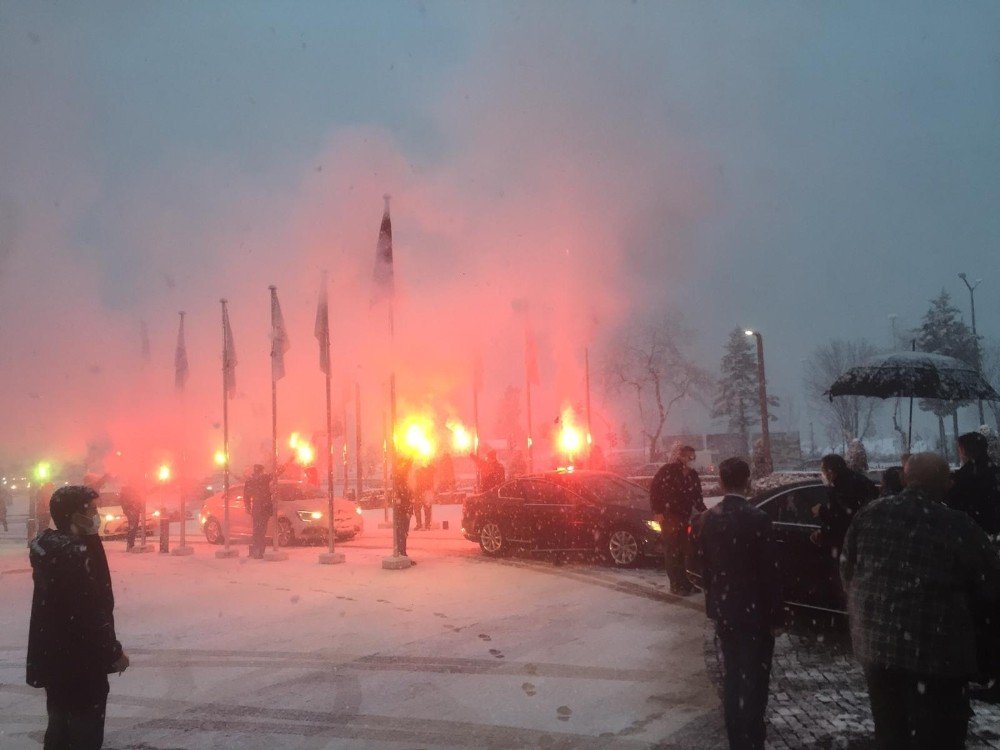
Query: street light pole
x=765, y=433
x=972, y=303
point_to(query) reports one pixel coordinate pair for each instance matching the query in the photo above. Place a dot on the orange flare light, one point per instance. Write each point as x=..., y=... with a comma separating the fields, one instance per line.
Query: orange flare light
x=570, y=439
x=415, y=437
x=461, y=438
x=219, y=457
x=164, y=473
x=305, y=454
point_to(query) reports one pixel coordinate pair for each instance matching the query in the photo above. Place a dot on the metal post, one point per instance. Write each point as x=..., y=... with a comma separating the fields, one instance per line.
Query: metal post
x=274, y=462
x=765, y=432
x=358, y=479
x=225, y=552
x=329, y=466
x=586, y=370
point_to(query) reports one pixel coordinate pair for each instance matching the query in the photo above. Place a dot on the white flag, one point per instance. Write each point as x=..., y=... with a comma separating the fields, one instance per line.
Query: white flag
x=322, y=329
x=228, y=355
x=180, y=359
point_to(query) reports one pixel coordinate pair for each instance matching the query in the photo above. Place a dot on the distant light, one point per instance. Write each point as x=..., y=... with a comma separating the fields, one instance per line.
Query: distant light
x=163, y=473
x=293, y=441
x=357, y=509
x=43, y=471
x=748, y=332
x=219, y=458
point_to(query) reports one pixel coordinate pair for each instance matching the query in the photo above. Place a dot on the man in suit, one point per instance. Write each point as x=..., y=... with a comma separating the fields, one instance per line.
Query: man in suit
x=673, y=496
x=734, y=544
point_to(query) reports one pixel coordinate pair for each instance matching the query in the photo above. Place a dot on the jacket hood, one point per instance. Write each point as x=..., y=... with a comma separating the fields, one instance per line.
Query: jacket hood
x=52, y=547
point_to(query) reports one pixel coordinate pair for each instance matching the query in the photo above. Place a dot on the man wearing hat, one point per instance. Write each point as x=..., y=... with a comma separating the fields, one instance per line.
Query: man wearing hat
x=72, y=646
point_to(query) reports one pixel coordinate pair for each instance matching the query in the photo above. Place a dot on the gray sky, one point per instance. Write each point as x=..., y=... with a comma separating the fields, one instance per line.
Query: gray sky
x=804, y=168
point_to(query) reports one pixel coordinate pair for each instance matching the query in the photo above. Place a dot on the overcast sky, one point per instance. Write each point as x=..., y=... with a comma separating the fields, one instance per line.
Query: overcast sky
x=805, y=168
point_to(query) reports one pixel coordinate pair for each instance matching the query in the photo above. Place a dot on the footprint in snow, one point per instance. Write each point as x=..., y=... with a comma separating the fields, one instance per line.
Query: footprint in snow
x=528, y=689
x=439, y=614
x=484, y=637
x=563, y=713
x=496, y=653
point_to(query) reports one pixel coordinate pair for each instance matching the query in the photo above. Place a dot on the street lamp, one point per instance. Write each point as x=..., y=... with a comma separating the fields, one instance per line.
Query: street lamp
x=972, y=302
x=765, y=434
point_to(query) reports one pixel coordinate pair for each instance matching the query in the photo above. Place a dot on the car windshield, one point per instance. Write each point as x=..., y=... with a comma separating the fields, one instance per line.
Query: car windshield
x=610, y=490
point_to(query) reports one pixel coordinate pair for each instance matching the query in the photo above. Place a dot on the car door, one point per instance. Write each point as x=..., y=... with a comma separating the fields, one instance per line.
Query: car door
x=239, y=519
x=549, y=512
x=509, y=507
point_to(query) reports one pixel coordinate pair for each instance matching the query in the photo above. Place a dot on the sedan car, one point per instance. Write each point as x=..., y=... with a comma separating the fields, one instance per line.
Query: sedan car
x=809, y=574
x=561, y=511
x=302, y=516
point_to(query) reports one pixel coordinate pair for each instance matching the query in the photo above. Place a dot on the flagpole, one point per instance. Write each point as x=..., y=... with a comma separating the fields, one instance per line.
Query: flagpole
x=183, y=548
x=527, y=381
x=359, y=479
x=344, y=453
x=226, y=552
x=385, y=470
x=275, y=554
x=330, y=557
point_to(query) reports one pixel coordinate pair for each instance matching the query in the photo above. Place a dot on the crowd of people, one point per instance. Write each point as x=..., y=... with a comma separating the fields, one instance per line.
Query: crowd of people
x=919, y=564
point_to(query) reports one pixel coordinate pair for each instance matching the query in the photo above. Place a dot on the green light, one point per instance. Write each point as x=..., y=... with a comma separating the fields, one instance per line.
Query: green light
x=43, y=471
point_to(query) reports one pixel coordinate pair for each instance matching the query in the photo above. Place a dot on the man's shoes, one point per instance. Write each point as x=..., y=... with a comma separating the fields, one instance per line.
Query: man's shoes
x=681, y=592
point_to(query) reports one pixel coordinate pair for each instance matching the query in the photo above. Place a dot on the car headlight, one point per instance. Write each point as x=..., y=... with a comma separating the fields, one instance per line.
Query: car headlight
x=109, y=517
x=357, y=509
x=309, y=515
x=654, y=526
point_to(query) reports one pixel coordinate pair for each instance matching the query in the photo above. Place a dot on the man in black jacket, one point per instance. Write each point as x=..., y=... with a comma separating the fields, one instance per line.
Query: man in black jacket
x=673, y=496
x=71, y=639
x=975, y=489
x=734, y=544
x=849, y=492
x=259, y=504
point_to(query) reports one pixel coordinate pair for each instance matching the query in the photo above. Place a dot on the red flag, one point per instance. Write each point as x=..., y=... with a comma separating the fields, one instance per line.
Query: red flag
x=279, y=337
x=383, y=274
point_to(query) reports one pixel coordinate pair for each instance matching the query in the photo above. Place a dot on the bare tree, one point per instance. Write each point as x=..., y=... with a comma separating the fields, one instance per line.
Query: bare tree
x=850, y=416
x=650, y=364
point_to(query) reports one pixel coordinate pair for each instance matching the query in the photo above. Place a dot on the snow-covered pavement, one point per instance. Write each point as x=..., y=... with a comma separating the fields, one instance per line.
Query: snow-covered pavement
x=459, y=651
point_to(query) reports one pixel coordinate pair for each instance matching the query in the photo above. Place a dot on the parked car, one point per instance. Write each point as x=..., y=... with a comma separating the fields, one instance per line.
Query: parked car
x=590, y=511
x=810, y=575
x=302, y=516
x=114, y=524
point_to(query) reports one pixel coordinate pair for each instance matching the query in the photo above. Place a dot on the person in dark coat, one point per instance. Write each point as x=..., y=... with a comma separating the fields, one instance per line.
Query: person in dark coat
x=423, y=495
x=491, y=471
x=916, y=572
x=132, y=505
x=734, y=545
x=72, y=647
x=892, y=482
x=974, y=488
x=257, y=501
x=849, y=491
x=673, y=496
x=402, y=495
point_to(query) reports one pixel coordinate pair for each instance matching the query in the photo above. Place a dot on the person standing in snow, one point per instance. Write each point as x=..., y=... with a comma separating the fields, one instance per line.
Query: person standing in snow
x=848, y=492
x=402, y=495
x=491, y=471
x=423, y=495
x=974, y=488
x=734, y=544
x=5, y=500
x=72, y=647
x=673, y=496
x=132, y=506
x=915, y=572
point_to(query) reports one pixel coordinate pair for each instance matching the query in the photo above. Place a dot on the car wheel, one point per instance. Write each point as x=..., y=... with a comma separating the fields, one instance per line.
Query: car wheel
x=622, y=548
x=491, y=539
x=213, y=532
x=286, y=537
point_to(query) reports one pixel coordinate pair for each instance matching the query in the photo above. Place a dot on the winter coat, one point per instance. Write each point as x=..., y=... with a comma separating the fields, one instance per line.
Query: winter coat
x=734, y=544
x=131, y=502
x=71, y=636
x=257, y=495
x=975, y=491
x=916, y=574
x=676, y=493
x=848, y=494
x=491, y=473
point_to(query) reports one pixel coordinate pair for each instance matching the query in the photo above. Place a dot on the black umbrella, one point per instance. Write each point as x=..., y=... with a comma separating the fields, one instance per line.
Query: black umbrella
x=914, y=375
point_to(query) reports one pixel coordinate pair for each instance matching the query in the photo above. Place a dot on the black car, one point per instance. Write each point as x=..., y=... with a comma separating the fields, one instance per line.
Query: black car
x=810, y=575
x=560, y=511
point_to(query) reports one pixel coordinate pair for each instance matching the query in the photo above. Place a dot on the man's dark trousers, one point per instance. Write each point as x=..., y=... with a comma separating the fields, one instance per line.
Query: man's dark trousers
x=258, y=544
x=746, y=662
x=75, y=723
x=675, y=541
x=917, y=713
x=133, y=528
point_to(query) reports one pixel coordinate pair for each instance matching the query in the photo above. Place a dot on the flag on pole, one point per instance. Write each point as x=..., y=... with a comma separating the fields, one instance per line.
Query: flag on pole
x=144, y=334
x=322, y=329
x=279, y=337
x=383, y=275
x=180, y=358
x=531, y=356
x=228, y=355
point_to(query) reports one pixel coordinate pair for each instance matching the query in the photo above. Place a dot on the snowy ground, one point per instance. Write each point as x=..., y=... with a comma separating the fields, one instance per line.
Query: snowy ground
x=459, y=651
